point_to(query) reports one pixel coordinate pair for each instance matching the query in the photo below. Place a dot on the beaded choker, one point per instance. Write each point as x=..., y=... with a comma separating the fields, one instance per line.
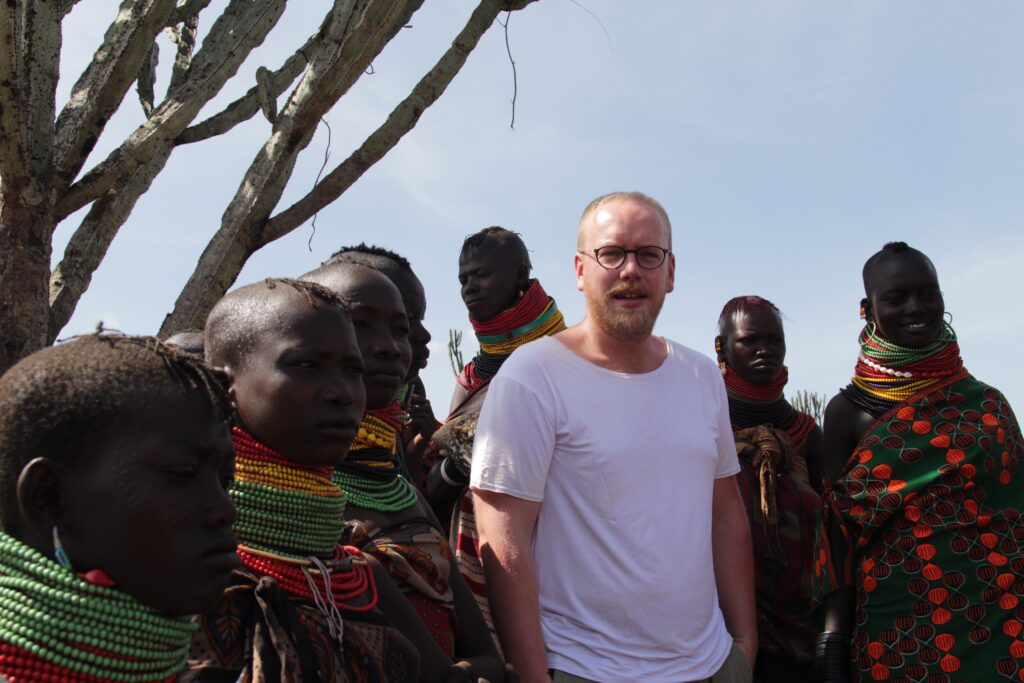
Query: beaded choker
x=283, y=507
x=380, y=428
x=56, y=626
x=290, y=519
x=887, y=375
x=752, y=405
x=370, y=475
x=535, y=315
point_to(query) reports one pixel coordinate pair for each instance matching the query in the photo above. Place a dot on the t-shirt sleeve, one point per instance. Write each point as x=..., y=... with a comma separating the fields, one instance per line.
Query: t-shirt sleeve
x=728, y=462
x=514, y=442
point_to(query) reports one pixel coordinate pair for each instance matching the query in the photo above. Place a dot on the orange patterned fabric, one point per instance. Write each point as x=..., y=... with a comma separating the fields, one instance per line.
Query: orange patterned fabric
x=930, y=507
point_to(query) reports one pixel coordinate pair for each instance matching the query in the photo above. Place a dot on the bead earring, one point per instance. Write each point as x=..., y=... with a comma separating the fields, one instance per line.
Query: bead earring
x=863, y=313
x=58, y=550
x=718, y=352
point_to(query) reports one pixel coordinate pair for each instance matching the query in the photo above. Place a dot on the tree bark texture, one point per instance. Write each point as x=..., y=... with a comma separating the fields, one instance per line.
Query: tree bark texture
x=248, y=229
x=43, y=174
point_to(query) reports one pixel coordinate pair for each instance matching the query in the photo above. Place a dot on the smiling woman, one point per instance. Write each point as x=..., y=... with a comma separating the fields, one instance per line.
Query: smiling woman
x=924, y=461
x=114, y=463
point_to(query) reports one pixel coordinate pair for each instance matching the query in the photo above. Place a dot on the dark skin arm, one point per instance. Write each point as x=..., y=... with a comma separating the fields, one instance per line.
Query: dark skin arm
x=434, y=663
x=814, y=454
x=441, y=495
x=416, y=435
x=473, y=646
x=844, y=425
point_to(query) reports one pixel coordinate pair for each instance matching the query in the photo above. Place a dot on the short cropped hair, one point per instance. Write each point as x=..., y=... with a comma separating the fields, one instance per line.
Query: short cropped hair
x=65, y=401
x=501, y=235
x=890, y=251
x=744, y=304
x=623, y=196
x=372, y=256
x=238, y=319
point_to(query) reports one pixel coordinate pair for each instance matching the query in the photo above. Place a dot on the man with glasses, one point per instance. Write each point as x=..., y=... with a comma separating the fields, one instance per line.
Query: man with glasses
x=613, y=535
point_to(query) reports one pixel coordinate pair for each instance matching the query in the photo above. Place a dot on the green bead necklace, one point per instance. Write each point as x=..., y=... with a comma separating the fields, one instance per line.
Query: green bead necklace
x=284, y=508
x=376, y=494
x=49, y=613
x=370, y=474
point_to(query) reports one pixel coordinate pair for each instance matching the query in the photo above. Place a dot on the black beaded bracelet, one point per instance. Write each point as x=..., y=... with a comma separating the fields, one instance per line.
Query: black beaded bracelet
x=832, y=657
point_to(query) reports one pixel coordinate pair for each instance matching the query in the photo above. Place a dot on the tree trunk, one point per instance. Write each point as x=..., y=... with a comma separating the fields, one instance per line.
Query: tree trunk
x=25, y=230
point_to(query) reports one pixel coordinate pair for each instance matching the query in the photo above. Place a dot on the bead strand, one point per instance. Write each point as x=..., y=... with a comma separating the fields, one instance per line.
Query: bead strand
x=56, y=626
x=289, y=514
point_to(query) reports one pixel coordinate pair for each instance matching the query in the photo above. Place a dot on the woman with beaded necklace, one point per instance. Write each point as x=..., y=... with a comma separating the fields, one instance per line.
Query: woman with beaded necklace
x=116, y=523
x=386, y=516
x=303, y=608
x=777, y=446
x=923, y=564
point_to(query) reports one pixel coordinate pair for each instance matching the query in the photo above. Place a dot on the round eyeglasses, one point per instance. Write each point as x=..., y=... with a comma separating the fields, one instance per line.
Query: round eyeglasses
x=611, y=257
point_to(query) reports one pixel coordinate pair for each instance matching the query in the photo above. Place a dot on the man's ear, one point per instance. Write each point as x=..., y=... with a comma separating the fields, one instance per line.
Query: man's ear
x=40, y=496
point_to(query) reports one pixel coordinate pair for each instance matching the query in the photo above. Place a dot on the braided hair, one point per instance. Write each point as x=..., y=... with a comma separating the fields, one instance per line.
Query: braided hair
x=65, y=401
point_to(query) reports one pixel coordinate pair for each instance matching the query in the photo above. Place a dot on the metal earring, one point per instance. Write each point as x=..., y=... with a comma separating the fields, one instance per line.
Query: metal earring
x=58, y=550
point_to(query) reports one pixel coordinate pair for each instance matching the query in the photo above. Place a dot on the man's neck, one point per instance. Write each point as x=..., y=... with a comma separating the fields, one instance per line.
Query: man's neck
x=632, y=356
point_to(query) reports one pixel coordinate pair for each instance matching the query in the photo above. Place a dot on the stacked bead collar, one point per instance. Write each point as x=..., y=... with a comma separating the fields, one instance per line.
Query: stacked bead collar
x=370, y=475
x=535, y=315
x=887, y=374
x=283, y=507
x=56, y=626
x=290, y=519
x=751, y=405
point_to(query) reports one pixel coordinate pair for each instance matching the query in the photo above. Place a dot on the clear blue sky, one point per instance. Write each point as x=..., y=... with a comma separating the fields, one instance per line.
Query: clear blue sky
x=788, y=141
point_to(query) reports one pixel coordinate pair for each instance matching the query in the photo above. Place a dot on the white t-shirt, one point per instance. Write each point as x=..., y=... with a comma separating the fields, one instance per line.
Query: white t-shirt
x=624, y=465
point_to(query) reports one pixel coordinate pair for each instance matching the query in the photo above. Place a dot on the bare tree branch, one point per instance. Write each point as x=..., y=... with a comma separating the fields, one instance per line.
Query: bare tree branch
x=243, y=25
x=245, y=107
x=102, y=86
x=401, y=120
x=187, y=10
x=90, y=241
x=268, y=101
x=186, y=41
x=67, y=6
x=147, y=80
x=352, y=36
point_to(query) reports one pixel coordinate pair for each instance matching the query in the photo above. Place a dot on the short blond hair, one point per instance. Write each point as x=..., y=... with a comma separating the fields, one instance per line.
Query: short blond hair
x=625, y=196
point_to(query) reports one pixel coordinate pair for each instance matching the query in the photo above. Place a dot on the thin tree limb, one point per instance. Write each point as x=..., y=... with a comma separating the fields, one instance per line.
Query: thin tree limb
x=102, y=86
x=188, y=9
x=401, y=120
x=147, y=80
x=245, y=107
x=264, y=88
x=243, y=25
x=353, y=35
x=186, y=44
x=91, y=240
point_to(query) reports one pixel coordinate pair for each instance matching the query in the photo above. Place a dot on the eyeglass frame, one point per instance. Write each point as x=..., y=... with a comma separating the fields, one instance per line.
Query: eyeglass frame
x=665, y=253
